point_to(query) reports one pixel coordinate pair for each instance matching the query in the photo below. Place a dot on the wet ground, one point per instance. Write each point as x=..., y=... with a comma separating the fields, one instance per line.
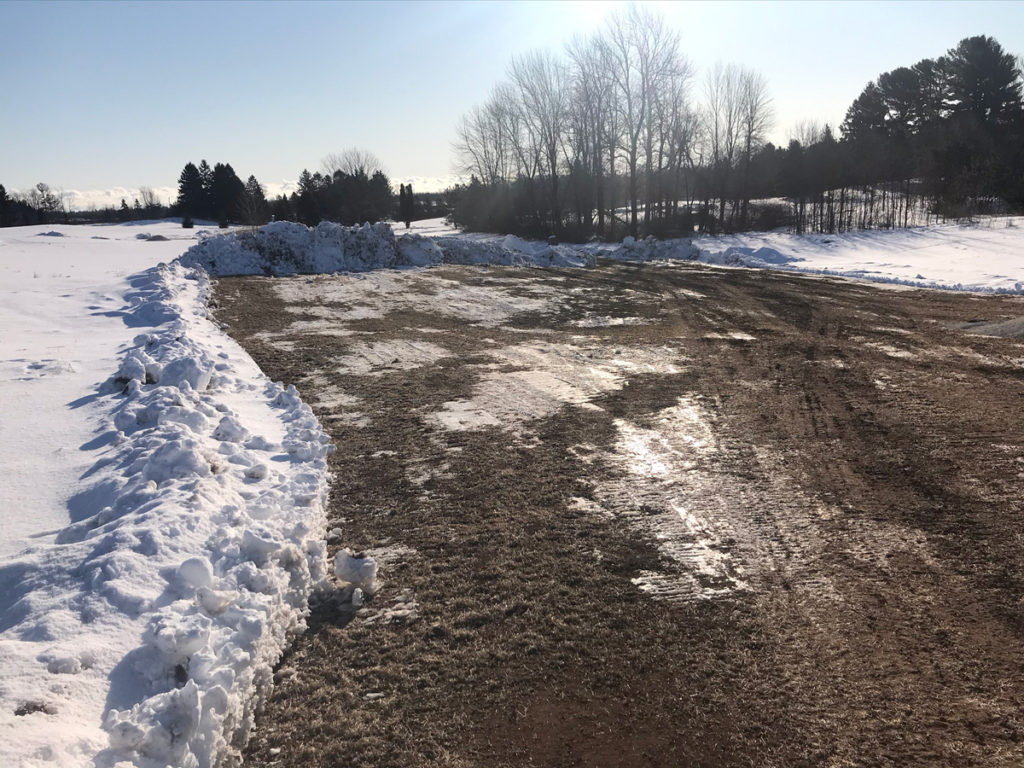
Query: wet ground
x=654, y=515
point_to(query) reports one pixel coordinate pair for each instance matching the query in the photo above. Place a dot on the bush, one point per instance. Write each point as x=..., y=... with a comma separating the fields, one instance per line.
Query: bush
x=186, y=223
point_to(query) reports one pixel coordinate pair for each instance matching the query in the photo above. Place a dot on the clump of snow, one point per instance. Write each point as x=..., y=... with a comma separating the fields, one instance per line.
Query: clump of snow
x=356, y=570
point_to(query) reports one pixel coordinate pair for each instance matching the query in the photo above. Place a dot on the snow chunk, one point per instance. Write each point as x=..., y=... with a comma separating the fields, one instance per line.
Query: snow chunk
x=356, y=570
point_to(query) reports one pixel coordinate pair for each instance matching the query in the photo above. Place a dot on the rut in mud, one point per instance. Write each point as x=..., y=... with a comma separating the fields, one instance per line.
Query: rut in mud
x=654, y=515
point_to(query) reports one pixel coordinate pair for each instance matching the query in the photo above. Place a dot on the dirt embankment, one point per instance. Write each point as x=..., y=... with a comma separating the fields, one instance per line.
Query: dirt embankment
x=655, y=515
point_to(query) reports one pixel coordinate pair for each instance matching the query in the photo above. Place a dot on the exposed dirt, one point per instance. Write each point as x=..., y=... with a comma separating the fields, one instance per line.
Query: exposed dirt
x=770, y=520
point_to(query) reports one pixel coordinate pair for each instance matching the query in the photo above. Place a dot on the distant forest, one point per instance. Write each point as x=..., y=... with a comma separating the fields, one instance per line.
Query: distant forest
x=616, y=135
x=608, y=139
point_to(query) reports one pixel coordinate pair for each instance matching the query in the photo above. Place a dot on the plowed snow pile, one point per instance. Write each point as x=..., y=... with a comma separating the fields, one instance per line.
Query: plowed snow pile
x=286, y=248
x=144, y=630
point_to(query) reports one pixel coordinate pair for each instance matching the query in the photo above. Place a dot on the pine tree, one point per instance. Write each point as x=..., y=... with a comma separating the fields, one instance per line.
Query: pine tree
x=206, y=209
x=254, y=203
x=190, y=192
x=125, y=213
x=984, y=82
x=226, y=193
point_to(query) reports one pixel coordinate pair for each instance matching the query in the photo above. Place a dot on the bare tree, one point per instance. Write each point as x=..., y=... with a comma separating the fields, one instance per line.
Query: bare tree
x=642, y=53
x=539, y=80
x=756, y=118
x=806, y=132
x=723, y=126
x=593, y=102
x=148, y=198
x=352, y=162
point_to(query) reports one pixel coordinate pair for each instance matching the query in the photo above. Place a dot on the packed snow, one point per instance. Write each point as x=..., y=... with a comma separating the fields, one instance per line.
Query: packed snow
x=165, y=525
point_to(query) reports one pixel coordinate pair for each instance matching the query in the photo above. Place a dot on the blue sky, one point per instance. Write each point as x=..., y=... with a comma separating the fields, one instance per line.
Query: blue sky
x=110, y=95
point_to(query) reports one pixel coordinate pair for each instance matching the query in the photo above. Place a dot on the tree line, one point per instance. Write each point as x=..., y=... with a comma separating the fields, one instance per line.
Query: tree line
x=616, y=136
x=350, y=188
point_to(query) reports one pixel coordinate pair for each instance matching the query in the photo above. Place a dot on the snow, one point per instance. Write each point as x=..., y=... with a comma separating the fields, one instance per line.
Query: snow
x=286, y=248
x=162, y=515
x=163, y=509
x=531, y=381
x=982, y=257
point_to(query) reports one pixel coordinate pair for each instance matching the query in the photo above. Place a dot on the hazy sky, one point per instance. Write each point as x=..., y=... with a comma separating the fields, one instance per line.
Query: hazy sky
x=113, y=96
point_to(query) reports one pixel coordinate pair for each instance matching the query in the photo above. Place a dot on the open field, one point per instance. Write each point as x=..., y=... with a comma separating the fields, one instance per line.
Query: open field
x=654, y=514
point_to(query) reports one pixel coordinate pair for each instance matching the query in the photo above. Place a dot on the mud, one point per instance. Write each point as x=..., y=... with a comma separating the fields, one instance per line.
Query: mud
x=655, y=515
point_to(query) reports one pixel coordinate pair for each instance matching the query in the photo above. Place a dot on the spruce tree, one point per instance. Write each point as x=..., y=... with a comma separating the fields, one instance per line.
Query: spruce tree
x=190, y=191
x=206, y=200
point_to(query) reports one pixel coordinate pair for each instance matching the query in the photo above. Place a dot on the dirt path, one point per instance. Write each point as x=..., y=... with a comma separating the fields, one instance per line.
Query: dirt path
x=655, y=515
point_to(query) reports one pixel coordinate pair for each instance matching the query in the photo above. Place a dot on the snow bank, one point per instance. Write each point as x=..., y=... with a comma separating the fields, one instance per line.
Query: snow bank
x=196, y=541
x=651, y=249
x=287, y=248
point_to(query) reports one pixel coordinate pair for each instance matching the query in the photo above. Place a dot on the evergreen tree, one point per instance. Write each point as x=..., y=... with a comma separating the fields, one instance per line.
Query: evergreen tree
x=254, y=203
x=124, y=213
x=410, y=206
x=190, y=192
x=226, y=193
x=984, y=82
x=206, y=198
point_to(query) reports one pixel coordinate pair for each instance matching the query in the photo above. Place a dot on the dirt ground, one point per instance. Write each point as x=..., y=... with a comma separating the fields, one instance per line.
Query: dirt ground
x=654, y=515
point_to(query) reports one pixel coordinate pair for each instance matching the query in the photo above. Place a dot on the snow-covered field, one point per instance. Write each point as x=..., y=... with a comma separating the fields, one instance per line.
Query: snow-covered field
x=987, y=256
x=161, y=525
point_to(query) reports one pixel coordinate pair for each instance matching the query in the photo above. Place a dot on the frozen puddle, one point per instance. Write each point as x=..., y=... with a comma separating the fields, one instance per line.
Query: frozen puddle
x=532, y=381
x=666, y=489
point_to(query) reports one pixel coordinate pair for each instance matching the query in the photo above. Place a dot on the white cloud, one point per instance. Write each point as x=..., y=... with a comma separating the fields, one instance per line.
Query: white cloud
x=83, y=200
